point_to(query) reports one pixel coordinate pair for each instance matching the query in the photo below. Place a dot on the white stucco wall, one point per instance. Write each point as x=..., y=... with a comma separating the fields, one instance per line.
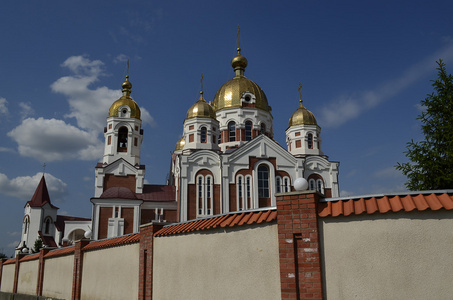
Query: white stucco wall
x=388, y=256
x=7, y=278
x=226, y=263
x=28, y=277
x=111, y=273
x=57, y=280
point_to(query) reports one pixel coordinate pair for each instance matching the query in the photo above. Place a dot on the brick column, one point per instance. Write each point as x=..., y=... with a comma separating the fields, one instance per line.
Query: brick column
x=78, y=266
x=298, y=237
x=42, y=252
x=16, y=271
x=145, y=281
x=2, y=260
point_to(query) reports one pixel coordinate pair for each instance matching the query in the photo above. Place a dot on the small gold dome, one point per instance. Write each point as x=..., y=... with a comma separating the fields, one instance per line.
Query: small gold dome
x=239, y=61
x=125, y=100
x=201, y=109
x=180, y=144
x=302, y=116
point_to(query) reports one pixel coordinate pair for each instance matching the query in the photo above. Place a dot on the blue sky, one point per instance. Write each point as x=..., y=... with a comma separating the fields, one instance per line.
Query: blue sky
x=364, y=67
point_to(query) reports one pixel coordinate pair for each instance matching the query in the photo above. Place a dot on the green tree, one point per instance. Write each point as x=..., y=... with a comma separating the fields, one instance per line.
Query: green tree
x=3, y=255
x=37, y=246
x=431, y=160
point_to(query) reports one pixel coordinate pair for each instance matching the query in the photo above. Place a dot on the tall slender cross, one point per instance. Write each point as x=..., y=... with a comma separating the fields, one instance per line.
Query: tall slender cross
x=300, y=92
x=239, y=44
x=127, y=71
x=201, y=83
x=43, y=169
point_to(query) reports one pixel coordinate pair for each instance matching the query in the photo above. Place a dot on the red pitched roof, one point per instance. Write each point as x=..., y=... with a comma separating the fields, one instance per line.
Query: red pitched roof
x=60, y=222
x=118, y=241
x=41, y=196
x=420, y=201
x=155, y=192
x=118, y=192
x=47, y=240
x=226, y=220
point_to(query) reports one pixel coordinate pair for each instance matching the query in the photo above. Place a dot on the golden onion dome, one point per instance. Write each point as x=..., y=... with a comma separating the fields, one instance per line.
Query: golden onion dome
x=201, y=109
x=125, y=100
x=302, y=116
x=230, y=94
x=180, y=144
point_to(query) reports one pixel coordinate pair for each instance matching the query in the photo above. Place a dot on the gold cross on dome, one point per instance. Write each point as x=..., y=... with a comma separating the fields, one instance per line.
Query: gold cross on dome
x=300, y=91
x=239, y=30
x=201, y=82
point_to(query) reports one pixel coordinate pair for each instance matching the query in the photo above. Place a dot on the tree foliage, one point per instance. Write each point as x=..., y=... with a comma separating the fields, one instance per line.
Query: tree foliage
x=3, y=255
x=38, y=245
x=431, y=160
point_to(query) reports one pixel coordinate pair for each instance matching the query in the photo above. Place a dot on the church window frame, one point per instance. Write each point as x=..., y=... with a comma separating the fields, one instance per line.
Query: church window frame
x=231, y=131
x=278, y=184
x=203, y=134
x=122, y=144
x=248, y=130
x=26, y=223
x=312, y=184
x=309, y=141
x=205, y=196
x=286, y=184
x=47, y=225
x=248, y=192
x=320, y=186
x=240, y=199
x=263, y=181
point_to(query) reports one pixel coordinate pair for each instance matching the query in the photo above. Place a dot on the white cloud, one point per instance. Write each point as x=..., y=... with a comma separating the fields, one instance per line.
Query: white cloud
x=88, y=106
x=3, y=108
x=24, y=187
x=4, y=149
x=50, y=140
x=15, y=233
x=348, y=107
x=120, y=58
x=13, y=244
x=389, y=172
x=26, y=110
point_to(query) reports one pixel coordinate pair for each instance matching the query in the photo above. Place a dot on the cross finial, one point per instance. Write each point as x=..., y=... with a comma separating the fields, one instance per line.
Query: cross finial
x=300, y=92
x=127, y=71
x=239, y=44
x=43, y=169
x=201, y=83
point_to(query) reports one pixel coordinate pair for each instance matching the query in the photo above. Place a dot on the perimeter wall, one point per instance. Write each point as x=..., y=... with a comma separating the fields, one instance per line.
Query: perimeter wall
x=292, y=254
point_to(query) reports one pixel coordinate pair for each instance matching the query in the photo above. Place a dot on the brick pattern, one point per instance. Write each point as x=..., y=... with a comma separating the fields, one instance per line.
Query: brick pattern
x=298, y=237
x=145, y=283
x=77, y=273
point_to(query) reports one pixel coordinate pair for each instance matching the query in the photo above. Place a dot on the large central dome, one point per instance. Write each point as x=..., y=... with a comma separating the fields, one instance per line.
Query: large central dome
x=231, y=93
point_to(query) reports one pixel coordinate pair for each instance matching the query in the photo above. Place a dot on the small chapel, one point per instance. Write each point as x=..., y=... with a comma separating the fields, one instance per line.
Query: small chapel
x=225, y=161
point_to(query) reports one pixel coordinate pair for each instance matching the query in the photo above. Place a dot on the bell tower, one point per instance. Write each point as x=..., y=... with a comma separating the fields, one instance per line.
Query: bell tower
x=123, y=134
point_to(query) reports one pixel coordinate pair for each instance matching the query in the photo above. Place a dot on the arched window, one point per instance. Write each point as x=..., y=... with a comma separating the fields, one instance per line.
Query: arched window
x=278, y=184
x=311, y=184
x=231, y=132
x=320, y=186
x=122, y=139
x=310, y=141
x=204, y=195
x=47, y=224
x=248, y=188
x=248, y=130
x=240, y=193
x=263, y=181
x=286, y=185
x=26, y=224
x=203, y=134
x=263, y=128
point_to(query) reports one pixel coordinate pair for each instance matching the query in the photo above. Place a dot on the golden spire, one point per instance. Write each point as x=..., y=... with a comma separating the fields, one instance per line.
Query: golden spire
x=239, y=62
x=300, y=92
x=127, y=85
x=201, y=83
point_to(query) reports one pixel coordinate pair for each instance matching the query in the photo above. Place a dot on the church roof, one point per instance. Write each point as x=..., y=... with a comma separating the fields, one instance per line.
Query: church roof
x=416, y=201
x=48, y=240
x=221, y=221
x=41, y=195
x=156, y=192
x=118, y=192
x=60, y=222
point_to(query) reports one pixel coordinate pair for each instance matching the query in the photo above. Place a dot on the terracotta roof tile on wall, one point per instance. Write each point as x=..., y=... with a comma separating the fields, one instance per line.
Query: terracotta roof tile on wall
x=112, y=242
x=30, y=257
x=419, y=201
x=221, y=221
x=59, y=252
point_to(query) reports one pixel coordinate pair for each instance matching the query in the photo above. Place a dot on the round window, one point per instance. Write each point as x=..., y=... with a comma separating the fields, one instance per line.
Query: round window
x=124, y=111
x=247, y=98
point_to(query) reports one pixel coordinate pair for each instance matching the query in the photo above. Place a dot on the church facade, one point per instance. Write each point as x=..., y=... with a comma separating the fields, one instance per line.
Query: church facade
x=225, y=161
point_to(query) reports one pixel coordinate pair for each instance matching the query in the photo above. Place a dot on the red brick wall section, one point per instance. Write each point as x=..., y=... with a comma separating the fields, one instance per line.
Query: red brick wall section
x=298, y=237
x=41, y=271
x=145, y=283
x=111, y=180
x=127, y=213
x=78, y=264
x=104, y=214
